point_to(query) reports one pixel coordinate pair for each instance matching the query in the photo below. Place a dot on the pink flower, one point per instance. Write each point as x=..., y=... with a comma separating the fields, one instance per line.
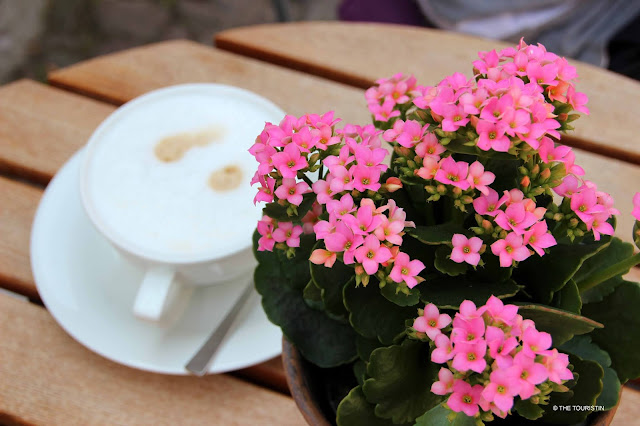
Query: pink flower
x=343, y=159
x=364, y=222
x=500, y=347
x=510, y=249
x=501, y=313
x=468, y=311
x=503, y=387
x=636, y=206
x=412, y=133
x=393, y=184
x=342, y=179
x=488, y=203
x=577, y=100
x=341, y=207
x=479, y=179
x=322, y=136
x=289, y=161
x=516, y=218
x=465, y=398
x=304, y=139
x=585, y=203
x=366, y=178
x=371, y=254
x=343, y=240
x=444, y=385
x=569, y=185
x=265, y=192
x=492, y=136
x=529, y=374
x=466, y=249
x=384, y=112
x=470, y=356
x=322, y=188
x=371, y=157
x=599, y=225
x=453, y=173
x=311, y=218
x=556, y=364
x=430, y=147
x=535, y=342
x=431, y=321
x=323, y=228
x=323, y=257
x=265, y=229
x=454, y=117
x=443, y=351
x=292, y=191
x=430, y=167
x=288, y=233
x=390, y=231
x=538, y=238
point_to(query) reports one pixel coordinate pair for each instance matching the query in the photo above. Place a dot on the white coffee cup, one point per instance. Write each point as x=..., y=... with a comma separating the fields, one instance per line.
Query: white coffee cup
x=166, y=179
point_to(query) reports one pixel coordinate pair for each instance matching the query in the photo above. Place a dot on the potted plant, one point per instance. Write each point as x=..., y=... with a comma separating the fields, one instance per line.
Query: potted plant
x=473, y=278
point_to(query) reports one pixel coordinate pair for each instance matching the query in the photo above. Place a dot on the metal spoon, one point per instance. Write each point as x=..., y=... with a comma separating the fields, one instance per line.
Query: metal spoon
x=201, y=361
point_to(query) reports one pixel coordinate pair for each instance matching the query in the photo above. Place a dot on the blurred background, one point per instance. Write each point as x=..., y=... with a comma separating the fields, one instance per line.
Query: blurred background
x=37, y=36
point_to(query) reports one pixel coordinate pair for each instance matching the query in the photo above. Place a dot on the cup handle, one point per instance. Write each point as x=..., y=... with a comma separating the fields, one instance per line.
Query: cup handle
x=156, y=293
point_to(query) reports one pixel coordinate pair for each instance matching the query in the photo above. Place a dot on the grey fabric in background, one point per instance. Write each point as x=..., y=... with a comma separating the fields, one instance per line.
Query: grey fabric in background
x=579, y=29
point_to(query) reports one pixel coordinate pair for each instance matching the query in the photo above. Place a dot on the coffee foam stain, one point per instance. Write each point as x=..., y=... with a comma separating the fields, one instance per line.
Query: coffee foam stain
x=226, y=179
x=173, y=147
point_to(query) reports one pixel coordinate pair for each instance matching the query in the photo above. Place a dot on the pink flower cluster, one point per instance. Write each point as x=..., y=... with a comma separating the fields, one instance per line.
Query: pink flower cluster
x=387, y=93
x=521, y=219
x=283, y=151
x=368, y=236
x=593, y=207
x=492, y=356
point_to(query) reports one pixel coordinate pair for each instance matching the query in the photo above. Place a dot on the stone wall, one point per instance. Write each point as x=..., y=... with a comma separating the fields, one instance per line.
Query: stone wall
x=39, y=35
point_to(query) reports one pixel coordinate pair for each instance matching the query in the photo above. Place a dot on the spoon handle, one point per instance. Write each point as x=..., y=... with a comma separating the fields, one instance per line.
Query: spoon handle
x=199, y=364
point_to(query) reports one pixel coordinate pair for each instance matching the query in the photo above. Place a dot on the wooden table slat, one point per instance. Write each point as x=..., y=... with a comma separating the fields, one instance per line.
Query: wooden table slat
x=75, y=386
x=359, y=53
x=41, y=126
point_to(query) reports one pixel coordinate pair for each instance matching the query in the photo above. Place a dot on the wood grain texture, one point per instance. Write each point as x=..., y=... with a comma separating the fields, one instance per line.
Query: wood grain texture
x=269, y=374
x=41, y=126
x=359, y=53
x=17, y=209
x=629, y=409
x=48, y=378
x=121, y=76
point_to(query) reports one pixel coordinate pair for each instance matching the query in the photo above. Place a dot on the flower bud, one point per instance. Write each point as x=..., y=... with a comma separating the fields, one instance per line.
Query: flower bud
x=401, y=150
x=430, y=189
x=314, y=158
x=523, y=170
x=456, y=191
x=573, y=222
x=441, y=189
x=546, y=173
x=467, y=199
x=486, y=225
x=525, y=182
x=558, y=217
x=393, y=184
x=535, y=170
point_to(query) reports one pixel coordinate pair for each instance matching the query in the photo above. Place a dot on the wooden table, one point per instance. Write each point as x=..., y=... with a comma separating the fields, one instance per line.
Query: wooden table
x=48, y=378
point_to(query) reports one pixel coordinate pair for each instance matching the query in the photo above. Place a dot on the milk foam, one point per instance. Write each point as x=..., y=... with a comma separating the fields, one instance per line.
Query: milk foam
x=169, y=207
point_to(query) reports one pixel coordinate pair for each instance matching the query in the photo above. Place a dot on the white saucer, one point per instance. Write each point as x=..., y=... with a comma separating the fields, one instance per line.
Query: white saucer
x=90, y=291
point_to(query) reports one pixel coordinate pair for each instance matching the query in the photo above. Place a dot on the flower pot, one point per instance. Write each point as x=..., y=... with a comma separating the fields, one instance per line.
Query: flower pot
x=315, y=396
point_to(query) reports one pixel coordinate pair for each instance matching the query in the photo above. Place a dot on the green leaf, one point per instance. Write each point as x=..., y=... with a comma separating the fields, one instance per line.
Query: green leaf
x=372, y=315
x=360, y=371
x=584, y=393
x=562, y=325
x=583, y=347
x=450, y=292
x=366, y=346
x=354, y=410
x=331, y=282
x=568, y=298
x=545, y=275
x=395, y=293
x=528, y=409
x=620, y=337
x=614, y=253
x=400, y=381
x=280, y=282
x=437, y=234
x=313, y=297
x=439, y=416
x=446, y=265
x=279, y=212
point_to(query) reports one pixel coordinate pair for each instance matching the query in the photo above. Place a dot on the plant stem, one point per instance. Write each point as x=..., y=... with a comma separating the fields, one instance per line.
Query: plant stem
x=608, y=273
x=305, y=178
